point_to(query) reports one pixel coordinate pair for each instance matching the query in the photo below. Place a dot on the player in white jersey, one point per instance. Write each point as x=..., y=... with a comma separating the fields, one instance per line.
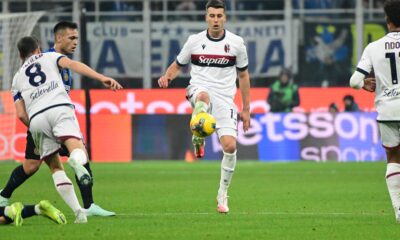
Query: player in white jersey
x=217, y=58
x=383, y=58
x=38, y=88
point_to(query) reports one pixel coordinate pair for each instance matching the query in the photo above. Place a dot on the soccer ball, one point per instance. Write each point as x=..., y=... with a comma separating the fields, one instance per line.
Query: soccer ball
x=202, y=125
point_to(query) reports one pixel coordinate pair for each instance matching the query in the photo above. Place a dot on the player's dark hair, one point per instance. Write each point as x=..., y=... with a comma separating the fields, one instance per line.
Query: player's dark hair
x=64, y=25
x=27, y=45
x=392, y=11
x=215, y=4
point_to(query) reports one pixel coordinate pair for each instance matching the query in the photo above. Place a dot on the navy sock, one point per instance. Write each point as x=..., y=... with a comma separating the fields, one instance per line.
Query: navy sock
x=18, y=176
x=86, y=191
x=28, y=211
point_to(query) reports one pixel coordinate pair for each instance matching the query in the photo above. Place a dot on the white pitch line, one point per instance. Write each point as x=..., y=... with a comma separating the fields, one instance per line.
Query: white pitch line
x=258, y=213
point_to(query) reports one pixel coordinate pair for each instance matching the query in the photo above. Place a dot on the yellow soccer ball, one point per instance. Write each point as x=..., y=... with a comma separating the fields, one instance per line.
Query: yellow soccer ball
x=202, y=125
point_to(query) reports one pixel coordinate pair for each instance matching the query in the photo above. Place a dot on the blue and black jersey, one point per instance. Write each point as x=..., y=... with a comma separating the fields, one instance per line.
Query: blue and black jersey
x=65, y=75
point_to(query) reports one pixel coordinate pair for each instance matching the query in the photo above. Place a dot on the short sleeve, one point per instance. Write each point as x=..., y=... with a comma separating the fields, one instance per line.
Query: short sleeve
x=55, y=57
x=185, y=54
x=242, y=61
x=364, y=66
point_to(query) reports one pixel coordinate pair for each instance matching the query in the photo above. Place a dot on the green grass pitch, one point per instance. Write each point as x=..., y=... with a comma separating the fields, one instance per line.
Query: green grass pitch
x=176, y=200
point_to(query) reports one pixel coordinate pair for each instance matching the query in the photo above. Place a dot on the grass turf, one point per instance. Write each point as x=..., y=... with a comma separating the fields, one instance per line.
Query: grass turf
x=176, y=200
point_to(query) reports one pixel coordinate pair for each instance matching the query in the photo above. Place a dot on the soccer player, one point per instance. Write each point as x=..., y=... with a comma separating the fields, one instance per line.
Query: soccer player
x=65, y=42
x=16, y=213
x=218, y=57
x=383, y=57
x=50, y=114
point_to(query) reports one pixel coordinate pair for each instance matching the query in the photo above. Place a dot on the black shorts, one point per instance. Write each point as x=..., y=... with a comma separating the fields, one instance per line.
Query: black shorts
x=30, y=150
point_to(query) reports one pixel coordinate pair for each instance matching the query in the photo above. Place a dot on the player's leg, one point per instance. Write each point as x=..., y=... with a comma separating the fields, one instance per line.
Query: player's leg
x=228, y=164
x=64, y=187
x=225, y=113
x=200, y=101
x=21, y=173
x=77, y=159
x=391, y=140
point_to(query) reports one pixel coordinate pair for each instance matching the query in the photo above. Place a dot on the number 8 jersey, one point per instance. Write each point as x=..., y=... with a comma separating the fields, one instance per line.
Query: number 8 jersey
x=39, y=84
x=383, y=57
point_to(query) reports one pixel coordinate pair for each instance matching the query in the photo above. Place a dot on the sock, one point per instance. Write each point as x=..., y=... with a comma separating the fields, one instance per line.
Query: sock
x=37, y=210
x=86, y=191
x=17, y=177
x=66, y=190
x=200, y=106
x=227, y=168
x=3, y=213
x=79, y=155
x=393, y=183
x=28, y=211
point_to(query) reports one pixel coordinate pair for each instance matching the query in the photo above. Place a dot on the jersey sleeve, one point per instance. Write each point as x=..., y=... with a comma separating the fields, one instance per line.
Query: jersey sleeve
x=55, y=57
x=185, y=54
x=15, y=91
x=242, y=61
x=364, y=66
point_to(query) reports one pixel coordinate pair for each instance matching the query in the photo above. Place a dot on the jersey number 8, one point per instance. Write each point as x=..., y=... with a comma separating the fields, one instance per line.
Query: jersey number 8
x=37, y=75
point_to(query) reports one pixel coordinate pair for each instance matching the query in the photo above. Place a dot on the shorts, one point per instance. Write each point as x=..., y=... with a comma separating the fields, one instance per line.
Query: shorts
x=33, y=154
x=49, y=128
x=390, y=134
x=222, y=108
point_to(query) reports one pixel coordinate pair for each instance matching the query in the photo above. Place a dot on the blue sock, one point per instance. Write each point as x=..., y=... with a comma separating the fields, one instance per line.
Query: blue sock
x=28, y=211
x=18, y=176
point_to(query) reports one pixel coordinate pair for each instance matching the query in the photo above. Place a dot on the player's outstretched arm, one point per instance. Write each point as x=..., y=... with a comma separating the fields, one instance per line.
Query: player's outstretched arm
x=85, y=70
x=21, y=112
x=244, y=85
x=171, y=73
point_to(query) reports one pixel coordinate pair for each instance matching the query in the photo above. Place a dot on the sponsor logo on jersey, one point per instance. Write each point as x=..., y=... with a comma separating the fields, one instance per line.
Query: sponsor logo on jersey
x=391, y=92
x=40, y=91
x=213, y=60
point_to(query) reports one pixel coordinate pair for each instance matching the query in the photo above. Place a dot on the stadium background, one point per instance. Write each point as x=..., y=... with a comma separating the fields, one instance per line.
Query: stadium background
x=134, y=41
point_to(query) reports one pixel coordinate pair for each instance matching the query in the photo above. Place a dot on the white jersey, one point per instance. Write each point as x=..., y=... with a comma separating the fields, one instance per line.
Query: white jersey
x=38, y=82
x=383, y=57
x=214, y=61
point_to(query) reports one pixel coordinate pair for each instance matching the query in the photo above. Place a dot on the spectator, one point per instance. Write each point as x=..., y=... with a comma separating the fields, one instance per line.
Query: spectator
x=349, y=104
x=284, y=94
x=333, y=108
x=186, y=5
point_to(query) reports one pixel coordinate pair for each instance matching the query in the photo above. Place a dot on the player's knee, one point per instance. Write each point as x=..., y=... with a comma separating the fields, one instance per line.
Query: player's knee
x=203, y=96
x=31, y=166
x=229, y=147
x=79, y=155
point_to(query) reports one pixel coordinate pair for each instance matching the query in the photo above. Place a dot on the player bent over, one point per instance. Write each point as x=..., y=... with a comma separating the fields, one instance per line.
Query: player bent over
x=50, y=114
x=66, y=37
x=218, y=57
x=16, y=213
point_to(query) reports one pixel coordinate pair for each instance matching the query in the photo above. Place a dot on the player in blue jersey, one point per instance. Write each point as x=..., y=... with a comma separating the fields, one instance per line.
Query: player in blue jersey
x=66, y=38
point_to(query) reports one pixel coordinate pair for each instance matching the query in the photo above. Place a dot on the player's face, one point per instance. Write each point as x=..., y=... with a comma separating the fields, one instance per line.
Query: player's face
x=68, y=41
x=215, y=19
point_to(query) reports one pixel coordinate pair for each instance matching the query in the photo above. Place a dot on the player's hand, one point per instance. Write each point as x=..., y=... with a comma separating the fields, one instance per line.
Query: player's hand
x=163, y=82
x=245, y=116
x=369, y=84
x=111, y=83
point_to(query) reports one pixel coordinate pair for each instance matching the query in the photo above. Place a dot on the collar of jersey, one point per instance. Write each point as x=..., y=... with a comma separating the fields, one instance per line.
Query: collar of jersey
x=216, y=39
